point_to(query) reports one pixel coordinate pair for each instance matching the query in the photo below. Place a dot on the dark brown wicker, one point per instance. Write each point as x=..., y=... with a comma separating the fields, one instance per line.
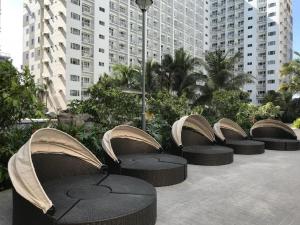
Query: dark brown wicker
x=276, y=139
x=241, y=145
x=93, y=197
x=143, y=161
x=198, y=150
x=208, y=155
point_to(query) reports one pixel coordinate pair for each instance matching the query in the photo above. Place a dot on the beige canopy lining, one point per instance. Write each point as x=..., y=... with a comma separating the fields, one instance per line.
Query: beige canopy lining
x=21, y=169
x=197, y=123
x=230, y=125
x=129, y=132
x=273, y=123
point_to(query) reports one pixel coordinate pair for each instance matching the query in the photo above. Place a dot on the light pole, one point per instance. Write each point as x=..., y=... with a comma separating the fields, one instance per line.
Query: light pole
x=144, y=6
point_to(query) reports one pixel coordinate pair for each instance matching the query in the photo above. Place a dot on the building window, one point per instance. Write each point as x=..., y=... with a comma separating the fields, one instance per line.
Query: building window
x=249, y=63
x=75, y=46
x=101, y=9
x=271, y=81
x=250, y=27
x=250, y=36
x=75, y=31
x=86, y=65
x=249, y=54
x=272, y=33
x=101, y=50
x=272, y=4
x=76, y=2
x=86, y=8
x=272, y=14
x=271, y=53
x=101, y=63
x=250, y=18
x=271, y=43
x=250, y=9
x=74, y=93
x=271, y=71
x=86, y=22
x=271, y=62
x=75, y=61
x=249, y=45
x=85, y=80
x=101, y=36
x=75, y=16
x=272, y=24
x=75, y=78
x=102, y=23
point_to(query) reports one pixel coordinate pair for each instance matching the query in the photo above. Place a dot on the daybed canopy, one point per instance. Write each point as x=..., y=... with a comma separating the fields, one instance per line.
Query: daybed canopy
x=230, y=125
x=273, y=124
x=128, y=132
x=44, y=141
x=197, y=123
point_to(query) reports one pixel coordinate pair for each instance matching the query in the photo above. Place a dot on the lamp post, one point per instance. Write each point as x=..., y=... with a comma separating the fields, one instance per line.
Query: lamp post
x=144, y=6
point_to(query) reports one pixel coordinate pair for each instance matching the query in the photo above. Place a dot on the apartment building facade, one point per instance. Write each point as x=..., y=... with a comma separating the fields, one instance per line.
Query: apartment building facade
x=261, y=30
x=68, y=44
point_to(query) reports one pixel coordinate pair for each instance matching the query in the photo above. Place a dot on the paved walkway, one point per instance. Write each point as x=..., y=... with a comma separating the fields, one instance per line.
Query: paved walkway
x=254, y=190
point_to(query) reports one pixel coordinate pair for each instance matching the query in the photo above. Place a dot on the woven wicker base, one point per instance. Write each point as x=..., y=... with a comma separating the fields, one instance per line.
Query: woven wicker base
x=280, y=144
x=157, y=169
x=92, y=200
x=246, y=147
x=208, y=155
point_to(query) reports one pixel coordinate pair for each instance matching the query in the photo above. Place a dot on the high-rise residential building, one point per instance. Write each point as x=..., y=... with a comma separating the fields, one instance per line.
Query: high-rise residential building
x=261, y=30
x=68, y=44
x=65, y=46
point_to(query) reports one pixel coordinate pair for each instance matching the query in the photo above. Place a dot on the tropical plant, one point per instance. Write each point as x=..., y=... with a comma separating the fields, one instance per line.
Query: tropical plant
x=128, y=76
x=248, y=114
x=109, y=105
x=153, y=81
x=18, y=95
x=170, y=107
x=296, y=123
x=226, y=103
x=177, y=74
x=291, y=70
x=220, y=74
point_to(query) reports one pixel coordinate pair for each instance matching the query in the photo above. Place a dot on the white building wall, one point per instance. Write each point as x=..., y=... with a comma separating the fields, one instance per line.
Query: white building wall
x=261, y=30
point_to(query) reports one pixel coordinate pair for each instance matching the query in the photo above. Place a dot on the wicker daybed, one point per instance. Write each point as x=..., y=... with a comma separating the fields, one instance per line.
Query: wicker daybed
x=56, y=180
x=195, y=140
x=276, y=135
x=232, y=135
x=135, y=153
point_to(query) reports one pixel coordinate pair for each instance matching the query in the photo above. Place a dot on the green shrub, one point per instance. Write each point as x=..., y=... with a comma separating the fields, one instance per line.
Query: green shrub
x=226, y=104
x=170, y=107
x=296, y=123
x=248, y=114
x=109, y=106
x=18, y=95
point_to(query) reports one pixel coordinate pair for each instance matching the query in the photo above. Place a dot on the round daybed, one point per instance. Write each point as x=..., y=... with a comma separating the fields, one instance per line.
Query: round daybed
x=232, y=135
x=276, y=135
x=195, y=141
x=135, y=153
x=56, y=180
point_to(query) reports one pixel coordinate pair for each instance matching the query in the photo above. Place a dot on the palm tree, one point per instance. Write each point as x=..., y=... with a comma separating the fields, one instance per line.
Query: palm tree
x=178, y=74
x=292, y=71
x=220, y=74
x=129, y=76
x=152, y=76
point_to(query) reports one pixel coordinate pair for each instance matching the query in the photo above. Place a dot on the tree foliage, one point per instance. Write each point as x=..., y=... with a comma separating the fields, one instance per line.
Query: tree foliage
x=18, y=95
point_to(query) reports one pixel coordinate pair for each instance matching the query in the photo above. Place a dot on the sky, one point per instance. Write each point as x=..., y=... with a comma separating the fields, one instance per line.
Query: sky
x=11, y=41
